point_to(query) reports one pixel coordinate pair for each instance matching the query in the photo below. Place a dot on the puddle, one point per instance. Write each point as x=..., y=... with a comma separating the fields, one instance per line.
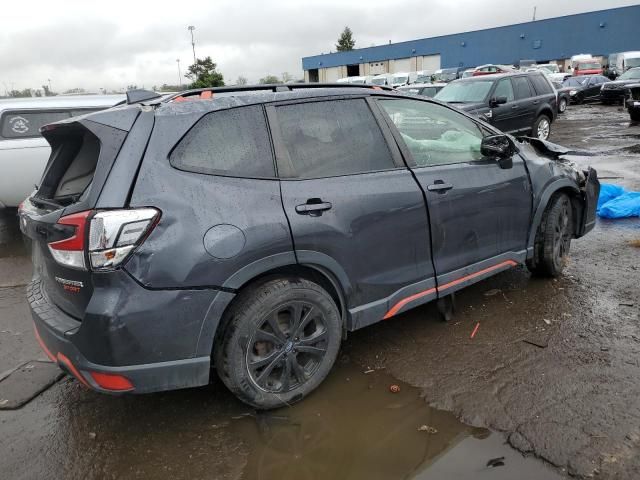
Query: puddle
x=355, y=427
x=352, y=427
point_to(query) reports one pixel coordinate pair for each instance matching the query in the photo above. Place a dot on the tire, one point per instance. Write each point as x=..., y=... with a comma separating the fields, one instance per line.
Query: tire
x=553, y=238
x=261, y=358
x=541, y=127
x=635, y=115
x=562, y=105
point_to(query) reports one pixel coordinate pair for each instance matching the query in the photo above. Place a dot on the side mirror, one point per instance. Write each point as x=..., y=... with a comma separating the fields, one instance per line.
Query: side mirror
x=495, y=101
x=500, y=148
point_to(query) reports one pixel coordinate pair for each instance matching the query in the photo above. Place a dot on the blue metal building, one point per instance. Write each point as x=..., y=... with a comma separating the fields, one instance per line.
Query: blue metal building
x=599, y=33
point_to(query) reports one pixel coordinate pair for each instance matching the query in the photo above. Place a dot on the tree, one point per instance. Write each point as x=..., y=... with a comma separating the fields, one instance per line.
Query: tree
x=346, y=41
x=286, y=77
x=20, y=93
x=47, y=92
x=203, y=74
x=270, y=79
x=241, y=80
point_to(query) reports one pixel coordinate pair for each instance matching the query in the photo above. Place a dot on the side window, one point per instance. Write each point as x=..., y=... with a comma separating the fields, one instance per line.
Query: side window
x=27, y=124
x=232, y=142
x=540, y=84
x=521, y=88
x=434, y=134
x=504, y=89
x=331, y=138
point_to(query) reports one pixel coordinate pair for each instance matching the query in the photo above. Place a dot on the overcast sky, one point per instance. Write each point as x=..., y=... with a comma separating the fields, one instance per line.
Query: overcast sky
x=88, y=44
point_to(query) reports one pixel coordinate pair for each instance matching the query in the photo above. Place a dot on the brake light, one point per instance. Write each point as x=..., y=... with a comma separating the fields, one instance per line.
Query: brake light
x=106, y=237
x=70, y=251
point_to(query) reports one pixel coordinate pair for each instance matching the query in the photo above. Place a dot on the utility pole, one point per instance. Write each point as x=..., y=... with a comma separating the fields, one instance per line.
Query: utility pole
x=179, y=74
x=191, y=28
x=534, y=13
x=49, y=80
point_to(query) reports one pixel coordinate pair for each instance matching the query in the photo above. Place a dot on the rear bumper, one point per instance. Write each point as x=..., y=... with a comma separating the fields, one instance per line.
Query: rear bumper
x=59, y=336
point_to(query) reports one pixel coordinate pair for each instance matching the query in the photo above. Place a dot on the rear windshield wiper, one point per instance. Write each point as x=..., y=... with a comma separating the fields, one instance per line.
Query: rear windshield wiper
x=46, y=203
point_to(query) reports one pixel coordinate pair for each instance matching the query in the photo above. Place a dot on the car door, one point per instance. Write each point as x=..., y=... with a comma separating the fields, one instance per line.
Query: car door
x=479, y=212
x=525, y=103
x=504, y=116
x=353, y=207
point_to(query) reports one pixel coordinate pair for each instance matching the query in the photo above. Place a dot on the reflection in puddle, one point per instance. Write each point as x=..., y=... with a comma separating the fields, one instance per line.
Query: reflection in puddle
x=354, y=427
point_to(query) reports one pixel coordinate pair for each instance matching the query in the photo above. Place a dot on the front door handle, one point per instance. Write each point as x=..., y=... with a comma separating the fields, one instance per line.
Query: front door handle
x=439, y=186
x=314, y=207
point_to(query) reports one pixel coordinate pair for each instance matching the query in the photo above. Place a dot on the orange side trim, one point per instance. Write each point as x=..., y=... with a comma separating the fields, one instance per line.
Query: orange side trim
x=510, y=263
x=206, y=94
x=43, y=346
x=396, y=308
x=67, y=363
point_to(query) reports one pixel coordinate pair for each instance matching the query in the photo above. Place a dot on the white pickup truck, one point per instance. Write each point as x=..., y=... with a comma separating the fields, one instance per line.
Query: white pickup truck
x=23, y=152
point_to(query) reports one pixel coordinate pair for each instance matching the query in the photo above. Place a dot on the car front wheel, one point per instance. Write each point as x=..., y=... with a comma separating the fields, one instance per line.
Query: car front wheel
x=553, y=238
x=279, y=341
x=542, y=127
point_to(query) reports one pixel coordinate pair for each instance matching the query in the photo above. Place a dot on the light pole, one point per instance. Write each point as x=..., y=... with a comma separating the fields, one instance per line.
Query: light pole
x=191, y=28
x=179, y=74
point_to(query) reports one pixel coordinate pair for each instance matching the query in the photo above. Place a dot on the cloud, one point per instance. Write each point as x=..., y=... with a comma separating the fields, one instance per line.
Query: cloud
x=89, y=45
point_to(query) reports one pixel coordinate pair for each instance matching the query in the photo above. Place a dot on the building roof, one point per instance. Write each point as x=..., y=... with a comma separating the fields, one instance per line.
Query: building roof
x=600, y=33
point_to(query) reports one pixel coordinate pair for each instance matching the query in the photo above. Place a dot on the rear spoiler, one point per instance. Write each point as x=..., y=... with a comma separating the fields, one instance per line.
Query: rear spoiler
x=140, y=95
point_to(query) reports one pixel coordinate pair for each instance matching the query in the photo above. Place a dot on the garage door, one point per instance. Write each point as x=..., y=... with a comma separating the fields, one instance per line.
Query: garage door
x=431, y=63
x=401, y=65
x=332, y=74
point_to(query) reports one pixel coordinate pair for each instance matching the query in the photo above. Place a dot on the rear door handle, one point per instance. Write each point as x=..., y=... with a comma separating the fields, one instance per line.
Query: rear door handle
x=313, y=208
x=439, y=187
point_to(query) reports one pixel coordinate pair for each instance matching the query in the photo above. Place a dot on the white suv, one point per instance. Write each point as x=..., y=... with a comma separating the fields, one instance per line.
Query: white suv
x=23, y=151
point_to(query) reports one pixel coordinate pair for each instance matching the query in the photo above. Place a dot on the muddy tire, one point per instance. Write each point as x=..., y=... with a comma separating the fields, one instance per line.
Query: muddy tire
x=553, y=238
x=279, y=341
x=635, y=115
x=542, y=127
x=562, y=105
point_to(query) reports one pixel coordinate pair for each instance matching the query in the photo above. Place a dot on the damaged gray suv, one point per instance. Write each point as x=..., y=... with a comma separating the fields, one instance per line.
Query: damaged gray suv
x=248, y=229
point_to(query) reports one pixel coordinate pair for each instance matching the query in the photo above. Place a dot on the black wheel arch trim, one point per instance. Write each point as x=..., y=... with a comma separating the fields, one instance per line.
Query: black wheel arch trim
x=543, y=201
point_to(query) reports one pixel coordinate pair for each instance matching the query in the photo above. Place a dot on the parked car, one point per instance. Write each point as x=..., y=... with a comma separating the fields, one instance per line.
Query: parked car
x=520, y=103
x=564, y=96
x=23, y=151
x=587, y=68
x=616, y=91
x=492, y=69
x=585, y=88
x=403, y=78
x=382, y=79
x=424, y=89
x=251, y=228
x=361, y=79
x=581, y=57
x=633, y=101
x=468, y=73
x=446, y=75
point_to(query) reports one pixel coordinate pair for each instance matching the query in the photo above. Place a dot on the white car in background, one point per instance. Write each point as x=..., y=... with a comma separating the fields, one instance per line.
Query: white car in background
x=382, y=79
x=403, y=78
x=23, y=151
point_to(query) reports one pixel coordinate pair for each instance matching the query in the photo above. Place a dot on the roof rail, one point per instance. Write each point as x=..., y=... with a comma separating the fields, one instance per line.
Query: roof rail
x=206, y=93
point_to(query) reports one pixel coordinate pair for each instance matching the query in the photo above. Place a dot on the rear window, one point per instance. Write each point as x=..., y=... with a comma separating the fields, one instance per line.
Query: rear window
x=231, y=142
x=540, y=84
x=325, y=139
x=27, y=124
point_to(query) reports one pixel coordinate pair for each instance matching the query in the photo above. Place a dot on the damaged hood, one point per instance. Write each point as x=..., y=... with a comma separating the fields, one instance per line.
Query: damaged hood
x=552, y=150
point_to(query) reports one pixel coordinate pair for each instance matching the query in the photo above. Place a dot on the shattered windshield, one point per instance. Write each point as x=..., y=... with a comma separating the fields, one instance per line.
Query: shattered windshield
x=465, y=92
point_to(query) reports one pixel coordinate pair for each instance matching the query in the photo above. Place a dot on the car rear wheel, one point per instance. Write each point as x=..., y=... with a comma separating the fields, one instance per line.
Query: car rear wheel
x=562, y=105
x=542, y=127
x=279, y=342
x=553, y=238
x=635, y=115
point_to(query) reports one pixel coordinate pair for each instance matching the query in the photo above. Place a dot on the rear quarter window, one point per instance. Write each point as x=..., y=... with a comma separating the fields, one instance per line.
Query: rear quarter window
x=521, y=88
x=23, y=124
x=541, y=85
x=232, y=142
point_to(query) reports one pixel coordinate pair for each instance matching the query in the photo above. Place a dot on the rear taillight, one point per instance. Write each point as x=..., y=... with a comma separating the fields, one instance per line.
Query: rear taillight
x=106, y=237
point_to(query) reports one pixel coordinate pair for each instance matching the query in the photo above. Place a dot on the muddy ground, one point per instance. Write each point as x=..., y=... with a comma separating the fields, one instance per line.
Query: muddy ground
x=552, y=372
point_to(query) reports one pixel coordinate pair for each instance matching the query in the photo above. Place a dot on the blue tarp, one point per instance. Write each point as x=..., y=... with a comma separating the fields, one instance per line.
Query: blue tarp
x=615, y=202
